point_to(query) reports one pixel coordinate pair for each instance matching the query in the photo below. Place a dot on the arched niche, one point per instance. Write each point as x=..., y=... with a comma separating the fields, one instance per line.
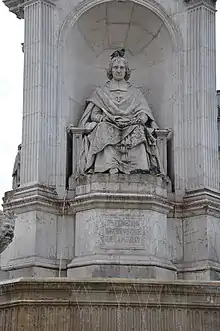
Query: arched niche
x=86, y=43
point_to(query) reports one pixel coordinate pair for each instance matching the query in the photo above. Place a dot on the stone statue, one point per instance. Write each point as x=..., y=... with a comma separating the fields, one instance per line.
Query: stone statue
x=7, y=224
x=16, y=169
x=119, y=127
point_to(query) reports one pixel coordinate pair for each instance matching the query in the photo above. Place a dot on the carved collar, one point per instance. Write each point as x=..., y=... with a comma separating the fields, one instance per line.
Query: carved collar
x=120, y=85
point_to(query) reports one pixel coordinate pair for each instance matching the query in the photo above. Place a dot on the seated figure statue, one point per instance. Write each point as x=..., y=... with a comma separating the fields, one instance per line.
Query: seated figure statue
x=119, y=135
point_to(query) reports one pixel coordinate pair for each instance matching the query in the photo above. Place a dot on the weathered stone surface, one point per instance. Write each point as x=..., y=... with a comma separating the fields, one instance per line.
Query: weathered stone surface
x=111, y=305
x=7, y=224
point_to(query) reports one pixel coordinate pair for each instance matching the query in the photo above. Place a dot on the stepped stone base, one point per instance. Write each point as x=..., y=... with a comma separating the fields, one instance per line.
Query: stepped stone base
x=109, y=304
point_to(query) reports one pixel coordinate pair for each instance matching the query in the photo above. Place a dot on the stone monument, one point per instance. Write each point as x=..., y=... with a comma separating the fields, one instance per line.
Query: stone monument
x=118, y=179
x=121, y=192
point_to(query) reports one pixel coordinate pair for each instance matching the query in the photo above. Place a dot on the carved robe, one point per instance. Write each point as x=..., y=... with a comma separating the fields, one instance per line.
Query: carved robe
x=119, y=131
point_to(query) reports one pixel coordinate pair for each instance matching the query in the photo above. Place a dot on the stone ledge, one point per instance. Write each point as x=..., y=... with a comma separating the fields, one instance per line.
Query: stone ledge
x=122, y=260
x=198, y=266
x=121, y=191
x=197, y=202
x=192, y=292
x=33, y=261
x=120, y=201
x=33, y=197
x=141, y=183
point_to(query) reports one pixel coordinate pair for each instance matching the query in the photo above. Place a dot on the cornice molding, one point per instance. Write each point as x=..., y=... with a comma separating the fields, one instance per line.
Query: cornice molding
x=121, y=201
x=197, y=3
x=33, y=197
x=195, y=203
x=17, y=6
x=23, y=289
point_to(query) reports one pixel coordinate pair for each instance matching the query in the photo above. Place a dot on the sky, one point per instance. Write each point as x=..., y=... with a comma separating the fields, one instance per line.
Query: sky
x=11, y=82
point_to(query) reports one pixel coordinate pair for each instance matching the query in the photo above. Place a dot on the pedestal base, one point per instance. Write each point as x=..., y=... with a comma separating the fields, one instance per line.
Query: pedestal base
x=121, y=227
x=121, y=266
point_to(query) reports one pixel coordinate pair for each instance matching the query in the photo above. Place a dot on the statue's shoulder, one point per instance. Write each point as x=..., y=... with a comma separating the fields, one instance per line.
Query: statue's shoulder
x=136, y=90
x=102, y=87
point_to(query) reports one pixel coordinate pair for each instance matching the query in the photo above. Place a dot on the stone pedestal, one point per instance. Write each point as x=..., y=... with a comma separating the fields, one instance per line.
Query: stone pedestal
x=44, y=234
x=201, y=235
x=121, y=227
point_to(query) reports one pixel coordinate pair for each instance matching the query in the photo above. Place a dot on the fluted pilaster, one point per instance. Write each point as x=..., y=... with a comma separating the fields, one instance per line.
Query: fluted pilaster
x=39, y=117
x=201, y=146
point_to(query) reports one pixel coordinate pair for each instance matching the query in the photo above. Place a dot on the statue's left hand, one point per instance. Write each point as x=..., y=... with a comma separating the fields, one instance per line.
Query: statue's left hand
x=142, y=119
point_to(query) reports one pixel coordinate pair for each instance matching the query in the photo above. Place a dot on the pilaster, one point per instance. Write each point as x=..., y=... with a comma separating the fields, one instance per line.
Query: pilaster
x=39, y=105
x=201, y=146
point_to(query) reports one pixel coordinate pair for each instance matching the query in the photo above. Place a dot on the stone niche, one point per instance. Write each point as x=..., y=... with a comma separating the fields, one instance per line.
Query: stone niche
x=85, y=48
x=88, y=44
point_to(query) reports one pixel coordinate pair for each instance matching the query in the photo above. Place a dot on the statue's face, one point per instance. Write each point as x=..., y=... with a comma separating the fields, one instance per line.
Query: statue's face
x=118, y=69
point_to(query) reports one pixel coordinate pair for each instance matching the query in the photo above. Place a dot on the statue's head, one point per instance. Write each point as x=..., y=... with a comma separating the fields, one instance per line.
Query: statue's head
x=19, y=147
x=118, y=67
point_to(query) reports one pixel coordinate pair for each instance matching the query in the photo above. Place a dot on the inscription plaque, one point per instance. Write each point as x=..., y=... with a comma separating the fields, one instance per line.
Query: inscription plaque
x=122, y=231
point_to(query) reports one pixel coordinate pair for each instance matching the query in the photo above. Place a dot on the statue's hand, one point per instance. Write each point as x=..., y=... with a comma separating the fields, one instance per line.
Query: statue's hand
x=140, y=120
x=104, y=118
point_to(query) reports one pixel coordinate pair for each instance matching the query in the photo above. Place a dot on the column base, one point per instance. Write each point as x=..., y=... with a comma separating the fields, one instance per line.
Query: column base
x=43, y=238
x=200, y=214
x=200, y=270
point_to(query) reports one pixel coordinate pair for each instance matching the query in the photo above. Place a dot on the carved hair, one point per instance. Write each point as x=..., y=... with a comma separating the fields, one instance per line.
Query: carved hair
x=127, y=69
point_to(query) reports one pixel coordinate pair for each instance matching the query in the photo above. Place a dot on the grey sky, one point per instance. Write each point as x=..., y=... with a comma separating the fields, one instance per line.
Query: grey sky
x=11, y=81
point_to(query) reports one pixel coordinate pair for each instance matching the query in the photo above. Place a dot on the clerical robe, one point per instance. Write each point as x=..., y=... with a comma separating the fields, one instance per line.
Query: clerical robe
x=119, y=132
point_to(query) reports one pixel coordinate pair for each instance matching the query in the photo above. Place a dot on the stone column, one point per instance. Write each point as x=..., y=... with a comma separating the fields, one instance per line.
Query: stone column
x=201, y=143
x=41, y=218
x=39, y=109
x=201, y=203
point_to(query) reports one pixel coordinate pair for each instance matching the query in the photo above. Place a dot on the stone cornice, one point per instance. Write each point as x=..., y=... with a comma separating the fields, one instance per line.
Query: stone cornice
x=34, y=197
x=121, y=191
x=197, y=202
x=202, y=201
x=120, y=200
x=17, y=6
x=63, y=290
x=196, y=3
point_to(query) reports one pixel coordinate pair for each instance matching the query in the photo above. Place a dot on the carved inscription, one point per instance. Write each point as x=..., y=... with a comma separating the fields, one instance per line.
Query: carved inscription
x=124, y=231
